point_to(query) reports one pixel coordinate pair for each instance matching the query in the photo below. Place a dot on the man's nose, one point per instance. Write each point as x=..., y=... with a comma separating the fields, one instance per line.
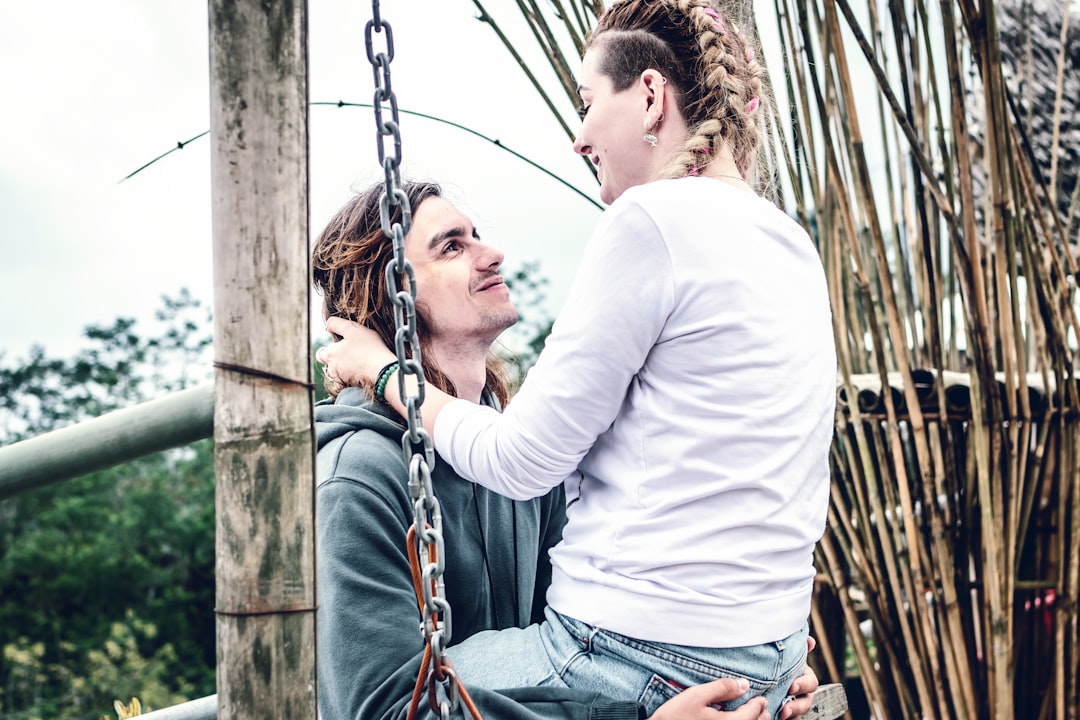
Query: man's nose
x=490, y=258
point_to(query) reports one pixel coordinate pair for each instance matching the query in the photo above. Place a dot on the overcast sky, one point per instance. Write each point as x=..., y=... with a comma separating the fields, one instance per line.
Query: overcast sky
x=92, y=91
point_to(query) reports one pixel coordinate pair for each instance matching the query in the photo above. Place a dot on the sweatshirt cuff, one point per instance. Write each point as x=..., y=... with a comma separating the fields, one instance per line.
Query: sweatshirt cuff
x=617, y=711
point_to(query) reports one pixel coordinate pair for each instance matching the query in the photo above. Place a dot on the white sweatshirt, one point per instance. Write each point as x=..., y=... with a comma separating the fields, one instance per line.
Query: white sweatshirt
x=686, y=396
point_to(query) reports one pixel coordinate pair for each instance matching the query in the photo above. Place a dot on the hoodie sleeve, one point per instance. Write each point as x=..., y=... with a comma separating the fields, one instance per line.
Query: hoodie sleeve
x=369, y=644
x=367, y=609
x=552, y=520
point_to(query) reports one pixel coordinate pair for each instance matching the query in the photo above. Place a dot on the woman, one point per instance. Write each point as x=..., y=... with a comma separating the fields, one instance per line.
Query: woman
x=685, y=395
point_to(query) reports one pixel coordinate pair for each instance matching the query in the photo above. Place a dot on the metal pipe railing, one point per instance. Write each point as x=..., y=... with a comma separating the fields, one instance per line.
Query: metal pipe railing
x=172, y=421
x=201, y=709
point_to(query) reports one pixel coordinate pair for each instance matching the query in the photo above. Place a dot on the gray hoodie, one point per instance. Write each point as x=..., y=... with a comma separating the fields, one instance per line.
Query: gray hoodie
x=497, y=572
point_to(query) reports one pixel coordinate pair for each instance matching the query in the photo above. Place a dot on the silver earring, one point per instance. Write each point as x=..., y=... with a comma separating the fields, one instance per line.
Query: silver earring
x=649, y=136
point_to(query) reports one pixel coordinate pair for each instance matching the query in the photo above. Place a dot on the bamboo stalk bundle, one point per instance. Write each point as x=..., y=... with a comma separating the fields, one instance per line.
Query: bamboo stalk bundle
x=952, y=539
x=936, y=166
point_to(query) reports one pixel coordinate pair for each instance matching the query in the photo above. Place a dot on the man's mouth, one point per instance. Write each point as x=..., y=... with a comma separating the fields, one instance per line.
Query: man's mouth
x=490, y=283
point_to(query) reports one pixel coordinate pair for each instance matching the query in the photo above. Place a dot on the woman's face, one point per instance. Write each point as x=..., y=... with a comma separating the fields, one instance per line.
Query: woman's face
x=612, y=130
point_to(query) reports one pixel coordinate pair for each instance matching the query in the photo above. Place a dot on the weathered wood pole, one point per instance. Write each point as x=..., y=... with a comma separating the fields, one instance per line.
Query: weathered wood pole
x=264, y=450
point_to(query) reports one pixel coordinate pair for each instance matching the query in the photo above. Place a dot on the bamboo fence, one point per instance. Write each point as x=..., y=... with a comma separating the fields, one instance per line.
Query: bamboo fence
x=949, y=571
x=951, y=552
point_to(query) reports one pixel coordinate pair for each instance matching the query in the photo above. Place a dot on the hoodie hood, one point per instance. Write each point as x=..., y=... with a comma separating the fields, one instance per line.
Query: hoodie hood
x=354, y=410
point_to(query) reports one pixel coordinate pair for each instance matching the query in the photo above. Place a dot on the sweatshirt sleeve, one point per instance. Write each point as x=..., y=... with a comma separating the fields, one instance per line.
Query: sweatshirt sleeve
x=618, y=305
x=367, y=618
x=368, y=640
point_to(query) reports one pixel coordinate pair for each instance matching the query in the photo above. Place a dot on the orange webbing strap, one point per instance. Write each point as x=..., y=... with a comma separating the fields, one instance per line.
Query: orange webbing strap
x=442, y=669
x=418, y=689
x=414, y=565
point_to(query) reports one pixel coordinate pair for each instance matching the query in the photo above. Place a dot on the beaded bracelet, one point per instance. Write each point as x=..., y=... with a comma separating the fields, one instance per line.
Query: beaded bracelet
x=383, y=379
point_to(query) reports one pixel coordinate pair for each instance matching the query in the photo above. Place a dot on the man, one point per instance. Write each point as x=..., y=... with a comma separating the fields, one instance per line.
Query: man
x=496, y=551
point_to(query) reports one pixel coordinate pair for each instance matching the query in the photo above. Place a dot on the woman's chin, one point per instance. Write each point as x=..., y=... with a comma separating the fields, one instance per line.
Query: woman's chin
x=608, y=193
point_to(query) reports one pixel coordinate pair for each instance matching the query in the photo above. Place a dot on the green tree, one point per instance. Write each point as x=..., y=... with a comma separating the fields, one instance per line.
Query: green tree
x=107, y=579
x=117, y=369
x=522, y=343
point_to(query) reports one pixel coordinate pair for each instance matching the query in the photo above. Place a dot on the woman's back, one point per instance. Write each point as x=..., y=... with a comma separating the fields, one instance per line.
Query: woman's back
x=723, y=431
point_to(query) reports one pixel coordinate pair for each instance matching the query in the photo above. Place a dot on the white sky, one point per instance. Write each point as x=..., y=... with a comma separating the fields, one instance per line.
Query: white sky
x=91, y=91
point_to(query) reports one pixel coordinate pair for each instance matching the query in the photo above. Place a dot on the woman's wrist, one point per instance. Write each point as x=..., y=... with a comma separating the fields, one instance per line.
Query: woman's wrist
x=382, y=379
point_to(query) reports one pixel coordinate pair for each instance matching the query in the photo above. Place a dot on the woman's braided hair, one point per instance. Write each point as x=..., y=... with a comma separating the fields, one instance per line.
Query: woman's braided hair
x=712, y=66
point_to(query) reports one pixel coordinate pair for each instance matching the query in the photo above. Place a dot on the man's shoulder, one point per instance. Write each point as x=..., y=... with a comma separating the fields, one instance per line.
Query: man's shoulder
x=362, y=458
x=367, y=458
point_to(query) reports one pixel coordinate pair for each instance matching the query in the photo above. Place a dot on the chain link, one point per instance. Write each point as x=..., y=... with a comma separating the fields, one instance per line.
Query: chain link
x=415, y=442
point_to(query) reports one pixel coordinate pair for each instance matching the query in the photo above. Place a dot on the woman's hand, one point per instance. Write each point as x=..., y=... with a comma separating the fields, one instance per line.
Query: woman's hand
x=357, y=357
x=802, y=691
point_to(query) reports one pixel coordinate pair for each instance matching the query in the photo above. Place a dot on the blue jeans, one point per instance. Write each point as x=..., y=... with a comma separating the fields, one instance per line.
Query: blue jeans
x=564, y=652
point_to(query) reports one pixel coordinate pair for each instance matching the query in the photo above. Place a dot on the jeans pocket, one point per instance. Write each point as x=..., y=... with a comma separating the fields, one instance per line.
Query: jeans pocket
x=657, y=692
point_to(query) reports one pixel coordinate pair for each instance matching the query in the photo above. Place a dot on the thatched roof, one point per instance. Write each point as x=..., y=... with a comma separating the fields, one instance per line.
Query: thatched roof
x=1030, y=35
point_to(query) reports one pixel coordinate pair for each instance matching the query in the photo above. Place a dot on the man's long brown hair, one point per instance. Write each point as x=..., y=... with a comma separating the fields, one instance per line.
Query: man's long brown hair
x=348, y=269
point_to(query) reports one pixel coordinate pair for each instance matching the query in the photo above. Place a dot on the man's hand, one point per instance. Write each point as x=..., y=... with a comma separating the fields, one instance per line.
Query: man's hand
x=695, y=703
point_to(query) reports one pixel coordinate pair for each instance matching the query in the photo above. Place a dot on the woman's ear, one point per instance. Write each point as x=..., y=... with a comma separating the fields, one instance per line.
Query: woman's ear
x=654, y=87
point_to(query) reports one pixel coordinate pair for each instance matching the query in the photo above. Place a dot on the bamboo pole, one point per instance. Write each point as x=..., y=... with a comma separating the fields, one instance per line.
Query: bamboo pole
x=1068, y=685
x=264, y=449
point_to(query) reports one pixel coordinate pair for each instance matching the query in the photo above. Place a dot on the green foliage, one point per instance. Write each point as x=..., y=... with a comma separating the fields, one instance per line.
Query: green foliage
x=90, y=679
x=116, y=370
x=108, y=587
x=521, y=344
x=317, y=369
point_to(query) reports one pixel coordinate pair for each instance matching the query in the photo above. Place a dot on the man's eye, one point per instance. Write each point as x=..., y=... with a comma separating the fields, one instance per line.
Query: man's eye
x=583, y=111
x=450, y=246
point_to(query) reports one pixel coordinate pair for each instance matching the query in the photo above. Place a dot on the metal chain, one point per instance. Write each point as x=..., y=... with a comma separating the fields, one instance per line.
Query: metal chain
x=415, y=442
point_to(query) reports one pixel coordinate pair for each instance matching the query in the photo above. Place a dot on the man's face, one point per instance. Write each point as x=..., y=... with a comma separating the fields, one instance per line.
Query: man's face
x=459, y=290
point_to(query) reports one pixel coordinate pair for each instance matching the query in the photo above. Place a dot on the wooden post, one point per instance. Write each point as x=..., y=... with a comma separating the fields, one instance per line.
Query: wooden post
x=264, y=450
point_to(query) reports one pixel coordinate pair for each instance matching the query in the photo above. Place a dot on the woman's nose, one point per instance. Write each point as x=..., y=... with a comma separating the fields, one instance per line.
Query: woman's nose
x=581, y=147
